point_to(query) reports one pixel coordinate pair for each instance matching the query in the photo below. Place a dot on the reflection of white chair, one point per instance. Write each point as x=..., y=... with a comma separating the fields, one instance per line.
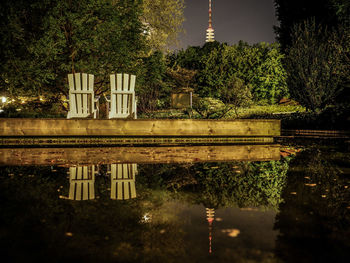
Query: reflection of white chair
x=82, y=102
x=82, y=180
x=122, y=101
x=123, y=181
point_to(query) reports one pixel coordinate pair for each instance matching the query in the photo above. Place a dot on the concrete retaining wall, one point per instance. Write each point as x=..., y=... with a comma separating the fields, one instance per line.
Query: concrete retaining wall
x=12, y=127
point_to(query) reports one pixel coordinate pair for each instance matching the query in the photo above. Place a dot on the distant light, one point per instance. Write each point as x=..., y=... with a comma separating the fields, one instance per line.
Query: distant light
x=3, y=99
x=1, y=111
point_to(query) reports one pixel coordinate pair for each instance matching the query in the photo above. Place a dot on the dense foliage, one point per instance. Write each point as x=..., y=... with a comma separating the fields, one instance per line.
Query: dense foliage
x=42, y=41
x=152, y=90
x=258, y=66
x=315, y=35
x=318, y=65
x=163, y=20
x=328, y=13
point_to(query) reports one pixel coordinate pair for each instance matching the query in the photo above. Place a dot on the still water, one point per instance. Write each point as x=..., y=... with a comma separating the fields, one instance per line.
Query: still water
x=259, y=203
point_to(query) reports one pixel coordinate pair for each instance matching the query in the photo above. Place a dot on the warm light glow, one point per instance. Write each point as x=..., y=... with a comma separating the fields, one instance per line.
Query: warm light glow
x=231, y=232
x=3, y=99
x=146, y=218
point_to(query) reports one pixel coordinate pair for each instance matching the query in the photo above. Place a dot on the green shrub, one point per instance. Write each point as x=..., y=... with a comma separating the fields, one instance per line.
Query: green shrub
x=209, y=108
x=237, y=94
x=317, y=65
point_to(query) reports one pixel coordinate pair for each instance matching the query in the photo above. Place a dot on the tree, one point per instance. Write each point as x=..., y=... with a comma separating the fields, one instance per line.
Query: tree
x=163, y=19
x=268, y=75
x=181, y=77
x=259, y=65
x=237, y=94
x=342, y=8
x=330, y=13
x=316, y=66
x=45, y=40
x=151, y=87
x=191, y=57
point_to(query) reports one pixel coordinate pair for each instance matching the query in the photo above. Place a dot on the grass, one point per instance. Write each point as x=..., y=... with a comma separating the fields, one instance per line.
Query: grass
x=292, y=116
x=276, y=109
x=243, y=113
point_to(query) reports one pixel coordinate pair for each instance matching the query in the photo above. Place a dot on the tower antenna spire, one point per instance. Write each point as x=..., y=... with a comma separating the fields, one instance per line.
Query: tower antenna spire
x=210, y=30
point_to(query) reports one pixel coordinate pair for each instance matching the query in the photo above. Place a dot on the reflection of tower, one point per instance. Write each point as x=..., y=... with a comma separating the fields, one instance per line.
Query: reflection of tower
x=210, y=219
x=81, y=182
x=210, y=30
x=123, y=180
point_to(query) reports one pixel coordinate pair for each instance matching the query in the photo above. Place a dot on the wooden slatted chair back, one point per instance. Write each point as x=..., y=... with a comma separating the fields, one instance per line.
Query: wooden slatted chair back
x=122, y=101
x=81, y=96
x=123, y=181
x=82, y=183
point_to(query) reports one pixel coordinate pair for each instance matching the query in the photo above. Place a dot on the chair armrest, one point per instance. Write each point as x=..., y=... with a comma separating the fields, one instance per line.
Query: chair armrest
x=97, y=107
x=107, y=99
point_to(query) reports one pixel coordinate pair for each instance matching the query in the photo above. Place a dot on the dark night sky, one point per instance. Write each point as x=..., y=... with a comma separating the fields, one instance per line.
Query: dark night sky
x=233, y=20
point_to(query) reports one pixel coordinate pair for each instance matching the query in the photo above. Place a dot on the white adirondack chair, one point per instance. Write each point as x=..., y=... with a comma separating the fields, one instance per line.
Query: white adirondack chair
x=82, y=102
x=122, y=181
x=82, y=182
x=122, y=101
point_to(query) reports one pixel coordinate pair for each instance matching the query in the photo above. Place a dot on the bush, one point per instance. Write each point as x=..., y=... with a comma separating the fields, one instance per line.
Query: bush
x=259, y=66
x=237, y=94
x=51, y=108
x=209, y=108
x=316, y=66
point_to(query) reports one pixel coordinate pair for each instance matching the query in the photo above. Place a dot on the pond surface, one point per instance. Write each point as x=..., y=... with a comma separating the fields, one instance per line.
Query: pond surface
x=186, y=206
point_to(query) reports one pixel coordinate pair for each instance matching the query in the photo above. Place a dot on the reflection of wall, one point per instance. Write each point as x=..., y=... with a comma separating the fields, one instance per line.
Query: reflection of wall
x=171, y=154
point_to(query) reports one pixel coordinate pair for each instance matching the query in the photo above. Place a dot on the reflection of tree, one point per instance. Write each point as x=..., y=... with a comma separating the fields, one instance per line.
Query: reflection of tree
x=314, y=221
x=241, y=184
x=223, y=184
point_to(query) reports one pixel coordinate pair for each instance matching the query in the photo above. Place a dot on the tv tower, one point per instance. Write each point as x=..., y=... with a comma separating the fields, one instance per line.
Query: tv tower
x=210, y=30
